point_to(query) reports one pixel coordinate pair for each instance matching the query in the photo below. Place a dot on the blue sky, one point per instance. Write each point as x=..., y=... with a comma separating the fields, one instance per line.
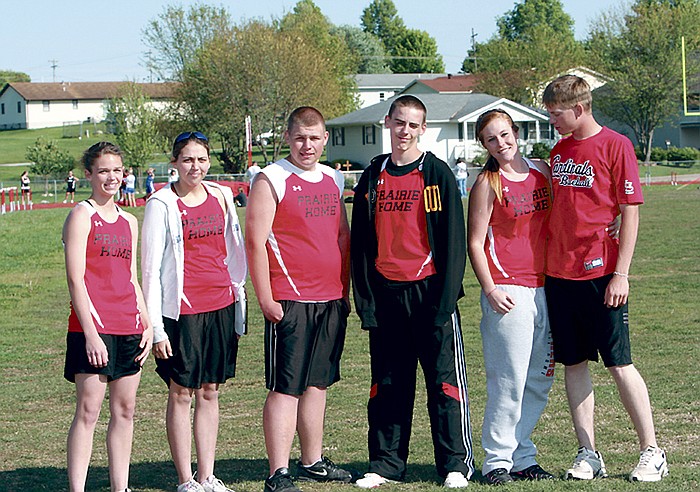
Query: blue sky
x=98, y=40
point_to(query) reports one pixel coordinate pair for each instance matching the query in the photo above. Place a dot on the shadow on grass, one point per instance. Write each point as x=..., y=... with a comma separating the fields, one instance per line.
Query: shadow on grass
x=162, y=476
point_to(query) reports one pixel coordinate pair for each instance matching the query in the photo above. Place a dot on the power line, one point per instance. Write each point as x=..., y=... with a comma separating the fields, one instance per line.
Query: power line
x=54, y=66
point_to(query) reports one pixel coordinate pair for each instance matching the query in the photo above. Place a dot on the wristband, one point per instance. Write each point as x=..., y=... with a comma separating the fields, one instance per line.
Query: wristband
x=620, y=274
x=491, y=292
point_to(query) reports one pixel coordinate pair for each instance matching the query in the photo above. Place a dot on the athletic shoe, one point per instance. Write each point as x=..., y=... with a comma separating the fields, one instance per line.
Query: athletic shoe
x=534, y=472
x=191, y=485
x=280, y=481
x=456, y=480
x=213, y=484
x=372, y=481
x=652, y=466
x=324, y=470
x=65, y=201
x=499, y=476
x=587, y=466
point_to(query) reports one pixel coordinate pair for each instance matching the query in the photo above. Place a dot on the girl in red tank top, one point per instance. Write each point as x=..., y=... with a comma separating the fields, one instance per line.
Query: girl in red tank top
x=109, y=332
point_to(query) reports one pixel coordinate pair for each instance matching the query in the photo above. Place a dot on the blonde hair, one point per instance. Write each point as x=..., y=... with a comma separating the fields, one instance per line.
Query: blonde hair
x=567, y=91
x=492, y=169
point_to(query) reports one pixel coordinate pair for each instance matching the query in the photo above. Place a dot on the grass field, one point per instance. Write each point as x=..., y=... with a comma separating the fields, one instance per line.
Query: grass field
x=36, y=403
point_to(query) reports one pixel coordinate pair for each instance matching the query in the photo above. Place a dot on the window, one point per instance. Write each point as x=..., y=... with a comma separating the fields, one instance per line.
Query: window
x=471, y=135
x=338, y=136
x=531, y=130
x=75, y=104
x=19, y=106
x=2, y=108
x=460, y=132
x=545, y=131
x=47, y=106
x=368, y=135
x=381, y=96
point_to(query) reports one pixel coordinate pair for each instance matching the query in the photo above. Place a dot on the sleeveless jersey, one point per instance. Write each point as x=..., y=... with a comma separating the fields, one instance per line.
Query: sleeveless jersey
x=70, y=183
x=516, y=238
x=304, y=255
x=111, y=295
x=403, y=252
x=207, y=285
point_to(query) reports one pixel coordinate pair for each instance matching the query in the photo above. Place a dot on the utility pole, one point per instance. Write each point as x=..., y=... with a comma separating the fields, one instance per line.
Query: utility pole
x=149, y=65
x=473, y=36
x=54, y=66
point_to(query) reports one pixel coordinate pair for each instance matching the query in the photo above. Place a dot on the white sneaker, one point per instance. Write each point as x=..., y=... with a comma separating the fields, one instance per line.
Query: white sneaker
x=652, y=466
x=587, y=466
x=191, y=485
x=213, y=484
x=372, y=481
x=456, y=480
x=65, y=201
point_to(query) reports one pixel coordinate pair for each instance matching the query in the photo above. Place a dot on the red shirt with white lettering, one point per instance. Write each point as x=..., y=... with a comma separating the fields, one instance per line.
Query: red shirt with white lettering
x=303, y=250
x=207, y=284
x=111, y=295
x=403, y=252
x=517, y=233
x=591, y=178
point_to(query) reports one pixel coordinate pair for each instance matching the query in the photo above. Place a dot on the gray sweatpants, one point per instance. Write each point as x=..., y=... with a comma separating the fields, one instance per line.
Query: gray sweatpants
x=519, y=373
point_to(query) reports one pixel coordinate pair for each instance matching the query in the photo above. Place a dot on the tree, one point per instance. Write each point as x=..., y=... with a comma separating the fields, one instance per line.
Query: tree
x=367, y=51
x=7, y=76
x=381, y=19
x=176, y=35
x=136, y=125
x=535, y=41
x=416, y=52
x=49, y=160
x=640, y=51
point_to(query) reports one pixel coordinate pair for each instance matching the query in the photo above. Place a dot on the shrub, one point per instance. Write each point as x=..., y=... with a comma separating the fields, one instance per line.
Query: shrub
x=540, y=150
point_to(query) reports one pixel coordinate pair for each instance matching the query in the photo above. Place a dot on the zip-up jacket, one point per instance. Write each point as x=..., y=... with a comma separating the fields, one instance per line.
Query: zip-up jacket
x=446, y=237
x=163, y=258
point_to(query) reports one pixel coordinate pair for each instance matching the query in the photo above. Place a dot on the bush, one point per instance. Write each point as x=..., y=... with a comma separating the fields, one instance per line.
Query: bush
x=658, y=154
x=684, y=154
x=540, y=150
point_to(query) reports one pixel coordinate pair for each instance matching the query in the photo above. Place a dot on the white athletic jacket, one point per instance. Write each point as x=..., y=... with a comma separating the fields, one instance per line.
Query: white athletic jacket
x=163, y=258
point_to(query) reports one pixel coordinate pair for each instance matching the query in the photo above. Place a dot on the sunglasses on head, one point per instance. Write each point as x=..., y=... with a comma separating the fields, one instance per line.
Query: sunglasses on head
x=187, y=135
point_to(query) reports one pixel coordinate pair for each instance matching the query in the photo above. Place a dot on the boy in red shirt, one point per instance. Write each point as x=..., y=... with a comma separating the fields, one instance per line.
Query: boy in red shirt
x=594, y=178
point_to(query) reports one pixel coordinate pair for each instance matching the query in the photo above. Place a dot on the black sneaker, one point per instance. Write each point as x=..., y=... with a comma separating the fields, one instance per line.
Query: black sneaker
x=534, y=472
x=499, y=476
x=281, y=481
x=324, y=470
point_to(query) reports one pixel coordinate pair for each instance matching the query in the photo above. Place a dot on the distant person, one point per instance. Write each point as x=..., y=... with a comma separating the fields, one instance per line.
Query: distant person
x=25, y=187
x=595, y=176
x=461, y=175
x=298, y=244
x=252, y=171
x=408, y=260
x=194, y=270
x=150, y=182
x=109, y=332
x=172, y=176
x=130, y=188
x=241, y=199
x=71, y=184
x=508, y=213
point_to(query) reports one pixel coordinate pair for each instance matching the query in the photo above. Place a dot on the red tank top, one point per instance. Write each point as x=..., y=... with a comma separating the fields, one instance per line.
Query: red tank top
x=516, y=240
x=303, y=250
x=207, y=284
x=111, y=295
x=403, y=252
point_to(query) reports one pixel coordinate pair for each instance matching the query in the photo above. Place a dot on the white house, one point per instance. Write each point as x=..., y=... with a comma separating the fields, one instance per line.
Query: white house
x=377, y=87
x=361, y=135
x=41, y=105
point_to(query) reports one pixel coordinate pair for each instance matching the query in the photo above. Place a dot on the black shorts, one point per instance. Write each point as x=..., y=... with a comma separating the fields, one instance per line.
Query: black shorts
x=205, y=347
x=304, y=348
x=122, y=351
x=583, y=326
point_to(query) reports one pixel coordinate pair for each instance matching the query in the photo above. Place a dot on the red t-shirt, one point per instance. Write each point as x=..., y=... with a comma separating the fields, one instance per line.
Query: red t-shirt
x=403, y=252
x=517, y=233
x=591, y=178
x=304, y=254
x=111, y=295
x=207, y=284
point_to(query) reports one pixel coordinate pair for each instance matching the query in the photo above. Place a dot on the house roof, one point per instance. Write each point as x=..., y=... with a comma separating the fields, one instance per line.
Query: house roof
x=450, y=83
x=441, y=107
x=56, y=91
x=393, y=81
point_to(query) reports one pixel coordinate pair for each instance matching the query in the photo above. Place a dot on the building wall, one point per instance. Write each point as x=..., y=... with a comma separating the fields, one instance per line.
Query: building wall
x=12, y=119
x=60, y=112
x=368, y=97
x=354, y=150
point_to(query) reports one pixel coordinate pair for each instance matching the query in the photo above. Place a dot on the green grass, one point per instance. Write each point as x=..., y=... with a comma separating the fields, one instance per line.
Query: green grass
x=36, y=403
